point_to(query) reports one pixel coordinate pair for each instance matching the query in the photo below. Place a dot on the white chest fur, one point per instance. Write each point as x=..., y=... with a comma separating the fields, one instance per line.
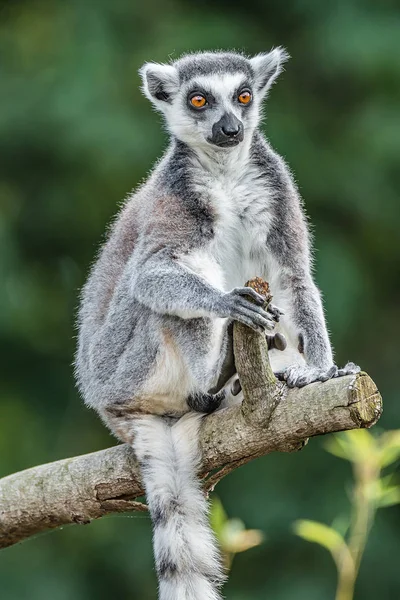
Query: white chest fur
x=241, y=201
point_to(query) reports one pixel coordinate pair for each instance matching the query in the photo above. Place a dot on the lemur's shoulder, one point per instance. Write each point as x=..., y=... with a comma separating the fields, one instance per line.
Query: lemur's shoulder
x=288, y=235
x=174, y=224
x=271, y=164
x=170, y=212
x=161, y=214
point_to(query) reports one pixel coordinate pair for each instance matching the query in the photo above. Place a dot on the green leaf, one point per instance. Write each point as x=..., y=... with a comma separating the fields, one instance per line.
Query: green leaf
x=390, y=497
x=321, y=534
x=390, y=447
x=232, y=533
x=387, y=492
x=236, y=538
x=339, y=446
x=355, y=446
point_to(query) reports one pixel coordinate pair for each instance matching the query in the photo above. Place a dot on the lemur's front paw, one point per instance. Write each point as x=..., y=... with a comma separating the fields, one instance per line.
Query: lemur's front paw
x=251, y=312
x=301, y=375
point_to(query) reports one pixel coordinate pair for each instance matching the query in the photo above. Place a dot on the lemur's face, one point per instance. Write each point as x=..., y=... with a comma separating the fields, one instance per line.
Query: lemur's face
x=212, y=100
x=214, y=109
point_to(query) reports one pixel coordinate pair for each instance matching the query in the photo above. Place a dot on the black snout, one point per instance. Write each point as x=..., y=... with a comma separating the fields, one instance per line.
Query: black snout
x=231, y=130
x=228, y=131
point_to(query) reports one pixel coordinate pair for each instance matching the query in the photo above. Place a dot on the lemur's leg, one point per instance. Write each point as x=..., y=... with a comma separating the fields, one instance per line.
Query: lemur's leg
x=110, y=339
x=228, y=368
x=304, y=324
x=151, y=362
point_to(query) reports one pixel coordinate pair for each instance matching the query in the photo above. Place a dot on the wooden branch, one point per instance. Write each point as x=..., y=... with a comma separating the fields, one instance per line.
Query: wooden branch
x=271, y=418
x=77, y=490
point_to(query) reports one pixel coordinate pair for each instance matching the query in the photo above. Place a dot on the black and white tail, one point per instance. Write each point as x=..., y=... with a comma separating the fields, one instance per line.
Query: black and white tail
x=187, y=559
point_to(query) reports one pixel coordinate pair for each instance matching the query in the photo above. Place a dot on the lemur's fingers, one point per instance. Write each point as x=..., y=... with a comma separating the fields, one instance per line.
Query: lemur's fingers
x=253, y=316
x=260, y=319
x=275, y=312
x=256, y=322
x=332, y=372
x=245, y=303
x=241, y=306
x=301, y=375
x=249, y=322
x=248, y=291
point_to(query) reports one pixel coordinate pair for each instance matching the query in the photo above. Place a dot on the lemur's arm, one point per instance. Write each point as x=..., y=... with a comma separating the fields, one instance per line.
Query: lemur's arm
x=305, y=324
x=166, y=286
x=304, y=321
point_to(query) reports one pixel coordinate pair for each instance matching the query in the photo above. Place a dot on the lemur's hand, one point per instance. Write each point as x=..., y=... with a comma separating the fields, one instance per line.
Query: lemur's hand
x=250, y=311
x=301, y=375
x=275, y=312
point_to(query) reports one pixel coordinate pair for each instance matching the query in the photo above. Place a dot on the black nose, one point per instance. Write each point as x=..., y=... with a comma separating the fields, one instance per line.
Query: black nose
x=227, y=131
x=230, y=130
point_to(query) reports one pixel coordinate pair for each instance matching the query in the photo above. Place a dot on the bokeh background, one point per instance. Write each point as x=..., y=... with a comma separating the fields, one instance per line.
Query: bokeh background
x=75, y=136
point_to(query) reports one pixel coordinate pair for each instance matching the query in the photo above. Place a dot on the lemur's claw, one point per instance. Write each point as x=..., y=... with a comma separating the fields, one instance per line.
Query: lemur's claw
x=275, y=312
x=301, y=375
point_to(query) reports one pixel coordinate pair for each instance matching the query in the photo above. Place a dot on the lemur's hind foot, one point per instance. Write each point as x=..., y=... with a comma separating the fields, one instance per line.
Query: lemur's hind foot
x=349, y=369
x=206, y=403
x=301, y=375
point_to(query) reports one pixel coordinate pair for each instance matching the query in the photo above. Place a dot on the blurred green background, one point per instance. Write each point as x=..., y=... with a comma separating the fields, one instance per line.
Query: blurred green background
x=75, y=136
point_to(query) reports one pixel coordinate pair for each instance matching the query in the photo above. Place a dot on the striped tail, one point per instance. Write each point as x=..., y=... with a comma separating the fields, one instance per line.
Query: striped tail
x=186, y=555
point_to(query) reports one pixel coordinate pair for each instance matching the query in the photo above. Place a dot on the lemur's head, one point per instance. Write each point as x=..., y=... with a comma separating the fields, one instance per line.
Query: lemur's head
x=212, y=99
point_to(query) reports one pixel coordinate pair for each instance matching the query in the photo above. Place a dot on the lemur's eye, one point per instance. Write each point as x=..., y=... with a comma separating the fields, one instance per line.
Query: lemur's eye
x=198, y=101
x=244, y=97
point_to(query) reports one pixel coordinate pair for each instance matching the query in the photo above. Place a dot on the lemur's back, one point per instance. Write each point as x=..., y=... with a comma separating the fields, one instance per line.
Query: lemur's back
x=111, y=261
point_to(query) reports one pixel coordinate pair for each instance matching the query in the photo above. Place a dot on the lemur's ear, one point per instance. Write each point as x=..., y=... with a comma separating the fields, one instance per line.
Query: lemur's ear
x=267, y=67
x=159, y=82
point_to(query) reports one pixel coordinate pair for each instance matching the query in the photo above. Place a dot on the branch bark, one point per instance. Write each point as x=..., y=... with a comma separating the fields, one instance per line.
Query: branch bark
x=271, y=418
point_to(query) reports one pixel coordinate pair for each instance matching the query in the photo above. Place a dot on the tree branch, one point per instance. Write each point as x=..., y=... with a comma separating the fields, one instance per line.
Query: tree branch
x=77, y=490
x=271, y=418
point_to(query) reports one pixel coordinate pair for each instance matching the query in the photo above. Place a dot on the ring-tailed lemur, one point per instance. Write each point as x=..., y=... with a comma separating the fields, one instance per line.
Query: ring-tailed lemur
x=219, y=208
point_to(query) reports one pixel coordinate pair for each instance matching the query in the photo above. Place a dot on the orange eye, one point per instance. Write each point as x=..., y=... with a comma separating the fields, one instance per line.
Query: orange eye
x=244, y=97
x=198, y=101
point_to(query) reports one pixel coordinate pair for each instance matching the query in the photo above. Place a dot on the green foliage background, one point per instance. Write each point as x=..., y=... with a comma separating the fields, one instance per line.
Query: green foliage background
x=75, y=136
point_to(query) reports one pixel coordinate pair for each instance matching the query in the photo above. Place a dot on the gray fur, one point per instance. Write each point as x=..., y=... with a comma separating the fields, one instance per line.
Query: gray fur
x=156, y=309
